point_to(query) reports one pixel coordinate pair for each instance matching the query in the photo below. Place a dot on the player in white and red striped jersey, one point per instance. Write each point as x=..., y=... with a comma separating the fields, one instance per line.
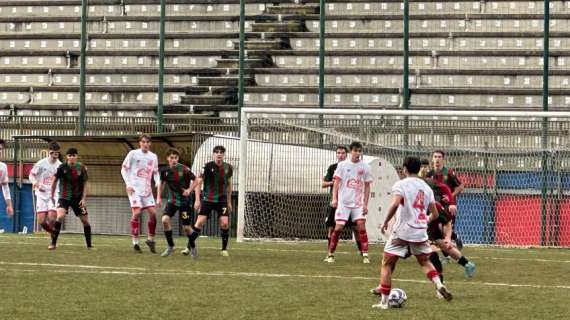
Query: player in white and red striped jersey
x=351, y=192
x=4, y=183
x=138, y=170
x=42, y=177
x=412, y=198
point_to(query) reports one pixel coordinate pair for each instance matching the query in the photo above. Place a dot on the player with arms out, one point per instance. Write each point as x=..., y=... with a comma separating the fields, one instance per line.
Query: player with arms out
x=4, y=183
x=42, y=177
x=351, y=192
x=71, y=179
x=328, y=182
x=412, y=198
x=180, y=182
x=217, y=197
x=139, y=167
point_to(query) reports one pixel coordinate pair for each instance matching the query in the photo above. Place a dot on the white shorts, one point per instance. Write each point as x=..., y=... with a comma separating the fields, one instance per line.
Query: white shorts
x=142, y=202
x=45, y=205
x=399, y=247
x=343, y=214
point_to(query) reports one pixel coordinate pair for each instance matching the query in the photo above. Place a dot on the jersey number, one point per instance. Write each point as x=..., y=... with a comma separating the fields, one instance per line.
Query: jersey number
x=419, y=205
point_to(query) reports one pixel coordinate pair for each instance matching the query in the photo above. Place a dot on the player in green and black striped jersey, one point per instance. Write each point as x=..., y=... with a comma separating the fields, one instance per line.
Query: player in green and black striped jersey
x=216, y=196
x=180, y=183
x=72, y=179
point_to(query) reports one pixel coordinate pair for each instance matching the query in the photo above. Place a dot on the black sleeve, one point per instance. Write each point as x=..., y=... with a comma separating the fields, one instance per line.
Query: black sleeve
x=59, y=172
x=163, y=175
x=453, y=180
x=330, y=173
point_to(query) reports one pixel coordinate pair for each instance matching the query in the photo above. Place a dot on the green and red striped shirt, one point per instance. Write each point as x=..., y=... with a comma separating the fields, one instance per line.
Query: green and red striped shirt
x=216, y=179
x=71, y=179
x=177, y=179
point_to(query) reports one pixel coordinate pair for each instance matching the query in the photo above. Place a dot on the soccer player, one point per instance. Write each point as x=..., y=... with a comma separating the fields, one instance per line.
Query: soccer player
x=351, y=192
x=42, y=177
x=139, y=167
x=180, y=182
x=443, y=174
x=328, y=182
x=217, y=197
x=412, y=198
x=4, y=182
x=72, y=179
x=440, y=232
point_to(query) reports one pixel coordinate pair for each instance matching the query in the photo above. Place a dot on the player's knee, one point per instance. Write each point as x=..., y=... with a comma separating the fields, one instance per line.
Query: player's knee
x=165, y=220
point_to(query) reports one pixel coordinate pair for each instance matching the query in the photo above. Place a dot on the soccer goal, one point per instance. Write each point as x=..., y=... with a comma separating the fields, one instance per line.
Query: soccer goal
x=514, y=166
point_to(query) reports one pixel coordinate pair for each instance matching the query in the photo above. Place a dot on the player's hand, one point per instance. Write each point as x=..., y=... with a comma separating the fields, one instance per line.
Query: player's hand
x=197, y=205
x=365, y=210
x=453, y=210
x=384, y=228
x=158, y=201
x=334, y=203
x=186, y=192
x=130, y=190
x=10, y=211
x=446, y=244
x=83, y=203
x=230, y=209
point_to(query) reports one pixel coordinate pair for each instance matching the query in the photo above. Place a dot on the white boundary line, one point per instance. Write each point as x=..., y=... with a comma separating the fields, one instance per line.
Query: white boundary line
x=143, y=271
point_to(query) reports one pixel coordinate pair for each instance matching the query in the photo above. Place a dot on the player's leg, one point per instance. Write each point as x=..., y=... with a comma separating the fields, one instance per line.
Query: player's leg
x=43, y=221
x=330, y=223
x=422, y=253
x=388, y=265
x=148, y=205
x=224, y=221
x=81, y=212
x=355, y=235
x=456, y=255
x=341, y=217
x=167, y=226
x=203, y=216
x=359, y=218
x=62, y=207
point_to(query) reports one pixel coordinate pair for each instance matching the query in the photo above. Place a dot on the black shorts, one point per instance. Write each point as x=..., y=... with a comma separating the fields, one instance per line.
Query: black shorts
x=435, y=231
x=221, y=208
x=330, y=222
x=74, y=204
x=185, y=210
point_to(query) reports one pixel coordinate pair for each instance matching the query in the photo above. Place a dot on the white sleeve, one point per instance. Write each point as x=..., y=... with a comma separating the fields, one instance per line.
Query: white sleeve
x=34, y=173
x=397, y=189
x=338, y=173
x=368, y=176
x=6, y=191
x=155, y=171
x=125, y=168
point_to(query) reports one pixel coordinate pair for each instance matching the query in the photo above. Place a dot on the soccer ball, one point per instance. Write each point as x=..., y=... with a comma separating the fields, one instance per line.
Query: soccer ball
x=397, y=298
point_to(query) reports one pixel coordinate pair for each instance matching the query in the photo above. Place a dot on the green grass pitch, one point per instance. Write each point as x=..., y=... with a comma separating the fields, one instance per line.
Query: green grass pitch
x=263, y=280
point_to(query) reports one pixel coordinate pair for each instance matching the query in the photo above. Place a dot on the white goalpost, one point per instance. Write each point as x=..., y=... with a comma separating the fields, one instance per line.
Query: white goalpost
x=514, y=165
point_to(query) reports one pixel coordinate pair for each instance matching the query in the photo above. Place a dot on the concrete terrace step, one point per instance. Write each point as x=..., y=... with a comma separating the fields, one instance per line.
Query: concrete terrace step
x=231, y=81
x=194, y=108
x=271, y=44
x=207, y=100
x=285, y=26
x=298, y=9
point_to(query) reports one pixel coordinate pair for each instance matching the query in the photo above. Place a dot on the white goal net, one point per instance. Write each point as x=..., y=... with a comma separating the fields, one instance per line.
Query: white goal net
x=514, y=166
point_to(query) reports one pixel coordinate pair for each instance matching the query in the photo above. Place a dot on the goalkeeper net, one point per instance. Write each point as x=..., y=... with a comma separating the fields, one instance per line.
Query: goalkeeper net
x=514, y=167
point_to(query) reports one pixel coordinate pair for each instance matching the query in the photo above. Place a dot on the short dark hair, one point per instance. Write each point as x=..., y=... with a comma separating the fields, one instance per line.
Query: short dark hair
x=219, y=148
x=341, y=147
x=172, y=151
x=440, y=152
x=2, y=142
x=355, y=145
x=424, y=162
x=53, y=146
x=412, y=164
x=71, y=151
x=144, y=136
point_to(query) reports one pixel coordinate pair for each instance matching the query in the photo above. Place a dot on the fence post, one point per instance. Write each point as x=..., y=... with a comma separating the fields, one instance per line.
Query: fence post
x=544, y=141
x=160, y=106
x=84, y=5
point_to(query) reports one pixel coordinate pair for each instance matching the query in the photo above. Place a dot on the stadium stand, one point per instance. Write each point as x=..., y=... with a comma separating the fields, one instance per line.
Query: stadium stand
x=464, y=55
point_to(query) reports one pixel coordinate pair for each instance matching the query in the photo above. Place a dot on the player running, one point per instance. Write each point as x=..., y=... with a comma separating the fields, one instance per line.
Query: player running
x=328, y=182
x=139, y=167
x=440, y=231
x=4, y=182
x=217, y=197
x=411, y=201
x=351, y=192
x=42, y=177
x=71, y=179
x=181, y=182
